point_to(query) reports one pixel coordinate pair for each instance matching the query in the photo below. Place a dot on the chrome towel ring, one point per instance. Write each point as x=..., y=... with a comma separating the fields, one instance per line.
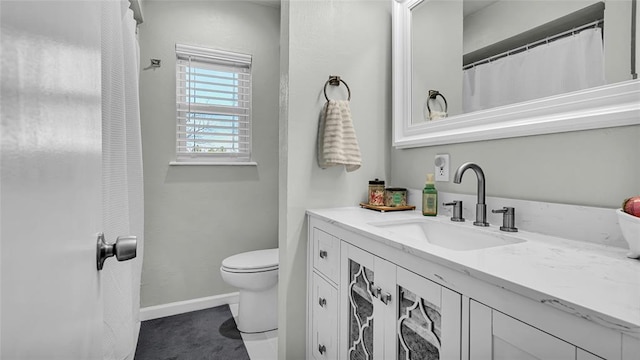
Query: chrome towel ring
x=433, y=94
x=335, y=81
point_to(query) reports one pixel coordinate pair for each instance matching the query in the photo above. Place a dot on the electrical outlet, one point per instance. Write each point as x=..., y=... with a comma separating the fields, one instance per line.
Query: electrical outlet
x=441, y=163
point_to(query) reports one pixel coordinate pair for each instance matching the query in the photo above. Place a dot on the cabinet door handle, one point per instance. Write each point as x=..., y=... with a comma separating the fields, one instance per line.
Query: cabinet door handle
x=385, y=298
x=323, y=254
x=322, y=302
x=322, y=349
x=377, y=292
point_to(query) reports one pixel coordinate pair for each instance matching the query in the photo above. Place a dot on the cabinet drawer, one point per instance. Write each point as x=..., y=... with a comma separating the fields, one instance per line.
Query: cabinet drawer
x=326, y=254
x=324, y=319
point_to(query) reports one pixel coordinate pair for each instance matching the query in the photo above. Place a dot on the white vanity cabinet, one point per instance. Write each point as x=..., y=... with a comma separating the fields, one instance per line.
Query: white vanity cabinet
x=370, y=298
x=374, y=309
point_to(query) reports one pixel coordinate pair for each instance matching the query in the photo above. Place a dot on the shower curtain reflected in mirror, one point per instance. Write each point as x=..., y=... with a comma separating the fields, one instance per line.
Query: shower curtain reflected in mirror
x=571, y=63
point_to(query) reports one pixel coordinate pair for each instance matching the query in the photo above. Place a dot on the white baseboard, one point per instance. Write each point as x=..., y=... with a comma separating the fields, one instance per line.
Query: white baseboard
x=181, y=307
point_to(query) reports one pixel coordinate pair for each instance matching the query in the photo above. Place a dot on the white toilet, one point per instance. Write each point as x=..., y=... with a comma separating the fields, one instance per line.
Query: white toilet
x=255, y=274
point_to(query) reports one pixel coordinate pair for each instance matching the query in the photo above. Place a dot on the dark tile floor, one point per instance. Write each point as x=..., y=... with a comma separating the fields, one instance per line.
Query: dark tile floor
x=205, y=334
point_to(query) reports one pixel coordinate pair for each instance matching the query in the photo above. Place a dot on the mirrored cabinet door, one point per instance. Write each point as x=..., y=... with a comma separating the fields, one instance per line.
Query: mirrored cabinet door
x=366, y=297
x=428, y=319
x=361, y=321
x=392, y=313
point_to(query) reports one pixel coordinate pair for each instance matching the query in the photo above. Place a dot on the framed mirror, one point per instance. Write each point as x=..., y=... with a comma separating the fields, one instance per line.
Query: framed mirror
x=435, y=43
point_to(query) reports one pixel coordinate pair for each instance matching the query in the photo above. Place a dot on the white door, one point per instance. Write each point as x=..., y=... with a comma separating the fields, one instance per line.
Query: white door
x=50, y=184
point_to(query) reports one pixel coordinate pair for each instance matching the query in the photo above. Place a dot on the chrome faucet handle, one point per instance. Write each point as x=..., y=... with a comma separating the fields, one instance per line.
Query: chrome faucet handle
x=457, y=210
x=508, y=218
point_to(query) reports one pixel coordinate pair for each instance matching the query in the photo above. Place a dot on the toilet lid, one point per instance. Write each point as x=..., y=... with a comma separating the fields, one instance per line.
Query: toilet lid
x=260, y=260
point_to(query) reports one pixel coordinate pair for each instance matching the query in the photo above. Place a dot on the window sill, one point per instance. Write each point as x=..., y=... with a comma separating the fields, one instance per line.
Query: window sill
x=213, y=163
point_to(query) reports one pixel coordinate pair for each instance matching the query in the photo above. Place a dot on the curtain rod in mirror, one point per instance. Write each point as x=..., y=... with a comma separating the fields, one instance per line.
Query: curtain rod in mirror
x=546, y=40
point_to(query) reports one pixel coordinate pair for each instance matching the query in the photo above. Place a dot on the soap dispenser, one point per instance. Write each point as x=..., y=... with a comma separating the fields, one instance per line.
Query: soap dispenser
x=429, y=198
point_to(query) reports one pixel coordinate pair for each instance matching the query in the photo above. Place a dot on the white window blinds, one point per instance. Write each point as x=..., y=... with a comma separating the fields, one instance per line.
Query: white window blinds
x=213, y=103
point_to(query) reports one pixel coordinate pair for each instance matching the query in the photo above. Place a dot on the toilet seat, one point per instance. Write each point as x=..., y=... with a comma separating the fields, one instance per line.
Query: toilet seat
x=252, y=261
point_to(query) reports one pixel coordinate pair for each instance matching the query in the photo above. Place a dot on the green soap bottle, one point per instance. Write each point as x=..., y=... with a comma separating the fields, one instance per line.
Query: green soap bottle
x=429, y=198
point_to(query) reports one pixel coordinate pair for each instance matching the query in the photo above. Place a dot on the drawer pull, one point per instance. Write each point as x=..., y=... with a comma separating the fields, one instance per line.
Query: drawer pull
x=323, y=254
x=322, y=349
x=322, y=302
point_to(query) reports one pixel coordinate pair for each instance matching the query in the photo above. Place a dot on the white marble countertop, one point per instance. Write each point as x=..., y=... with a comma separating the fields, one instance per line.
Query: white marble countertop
x=596, y=282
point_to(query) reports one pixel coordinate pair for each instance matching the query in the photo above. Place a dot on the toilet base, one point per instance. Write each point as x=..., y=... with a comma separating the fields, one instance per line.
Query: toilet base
x=258, y=310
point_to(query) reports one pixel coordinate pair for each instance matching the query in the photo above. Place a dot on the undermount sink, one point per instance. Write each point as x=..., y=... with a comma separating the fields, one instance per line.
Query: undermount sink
x=451, y=236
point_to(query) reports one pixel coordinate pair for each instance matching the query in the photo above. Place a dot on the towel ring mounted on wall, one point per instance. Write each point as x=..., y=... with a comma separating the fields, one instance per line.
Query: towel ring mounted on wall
x=433, y=94
x=335, y=81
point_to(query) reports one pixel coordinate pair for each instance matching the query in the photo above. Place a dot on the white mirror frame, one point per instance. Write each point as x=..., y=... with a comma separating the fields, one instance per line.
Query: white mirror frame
x=595, y=108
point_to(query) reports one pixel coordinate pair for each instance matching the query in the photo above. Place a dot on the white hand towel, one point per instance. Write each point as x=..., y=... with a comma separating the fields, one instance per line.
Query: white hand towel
x=435, y=115
x=337, y=142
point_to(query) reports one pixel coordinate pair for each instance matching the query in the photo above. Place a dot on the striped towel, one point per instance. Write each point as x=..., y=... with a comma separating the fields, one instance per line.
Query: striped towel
x=337, y=143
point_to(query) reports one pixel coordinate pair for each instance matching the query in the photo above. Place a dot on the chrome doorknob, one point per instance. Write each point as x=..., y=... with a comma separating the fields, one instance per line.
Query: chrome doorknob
x=125, y=248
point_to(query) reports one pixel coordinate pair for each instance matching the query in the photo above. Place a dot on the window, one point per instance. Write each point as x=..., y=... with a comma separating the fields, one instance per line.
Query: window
x=213, y=106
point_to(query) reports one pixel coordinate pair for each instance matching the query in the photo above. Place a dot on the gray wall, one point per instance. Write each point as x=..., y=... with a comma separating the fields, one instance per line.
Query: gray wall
x=195, y=216
x=321, y=38
x=593, y=168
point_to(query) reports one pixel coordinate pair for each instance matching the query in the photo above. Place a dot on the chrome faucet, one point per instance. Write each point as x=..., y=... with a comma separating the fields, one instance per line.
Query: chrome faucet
x=481, y=207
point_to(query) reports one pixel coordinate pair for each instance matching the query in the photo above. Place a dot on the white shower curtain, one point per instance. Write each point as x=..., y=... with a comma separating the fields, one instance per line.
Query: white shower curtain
x=123, y=211
x=569, y=64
